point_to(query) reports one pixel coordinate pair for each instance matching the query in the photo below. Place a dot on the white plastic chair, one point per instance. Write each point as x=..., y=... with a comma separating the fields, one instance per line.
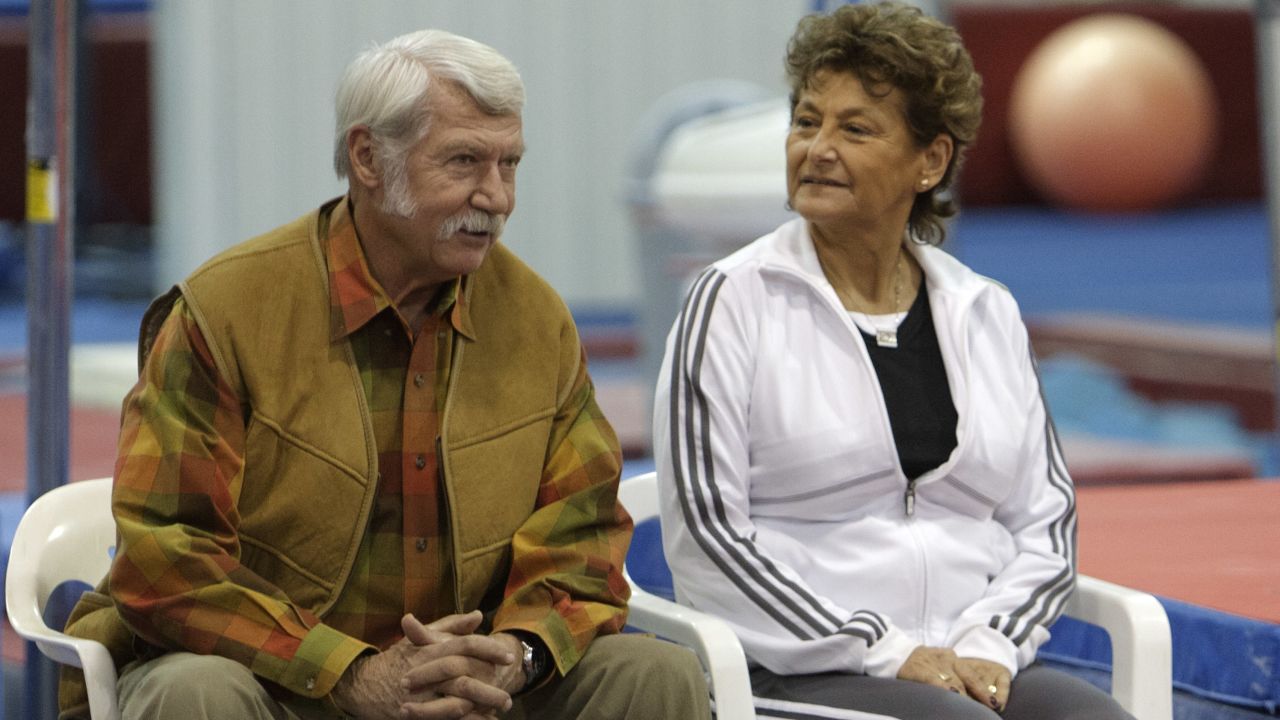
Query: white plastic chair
x=1141, y=649
x=66, y=534
x=710, y=637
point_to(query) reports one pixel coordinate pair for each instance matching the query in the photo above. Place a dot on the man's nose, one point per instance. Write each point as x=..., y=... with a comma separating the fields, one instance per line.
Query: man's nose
x=493, y=193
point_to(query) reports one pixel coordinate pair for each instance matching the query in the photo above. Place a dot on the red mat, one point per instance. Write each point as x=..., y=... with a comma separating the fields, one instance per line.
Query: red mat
x=1213, y=544
x=93, y=442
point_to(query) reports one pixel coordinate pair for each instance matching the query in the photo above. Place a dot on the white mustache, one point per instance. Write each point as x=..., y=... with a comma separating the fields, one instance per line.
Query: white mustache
x=474, y=221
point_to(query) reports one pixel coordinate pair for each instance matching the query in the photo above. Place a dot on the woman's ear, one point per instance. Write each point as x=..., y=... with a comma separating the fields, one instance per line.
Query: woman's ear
x=365, y=168
x=937, y=157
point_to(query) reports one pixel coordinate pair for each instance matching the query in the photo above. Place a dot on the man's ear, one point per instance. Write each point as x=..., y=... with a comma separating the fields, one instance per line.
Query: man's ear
x=365, y=169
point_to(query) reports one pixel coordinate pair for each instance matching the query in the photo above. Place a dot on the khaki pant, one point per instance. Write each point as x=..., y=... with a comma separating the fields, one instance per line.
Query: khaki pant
x=620, y=677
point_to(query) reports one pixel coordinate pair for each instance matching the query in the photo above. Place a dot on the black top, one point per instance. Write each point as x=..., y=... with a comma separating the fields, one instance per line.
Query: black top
x=916, y=392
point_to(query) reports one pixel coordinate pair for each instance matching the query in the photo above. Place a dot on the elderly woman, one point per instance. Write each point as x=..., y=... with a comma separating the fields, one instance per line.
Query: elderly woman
x=856, y=466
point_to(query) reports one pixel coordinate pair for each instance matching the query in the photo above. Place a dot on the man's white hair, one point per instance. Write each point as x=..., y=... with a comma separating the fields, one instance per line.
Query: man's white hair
x=385, y=88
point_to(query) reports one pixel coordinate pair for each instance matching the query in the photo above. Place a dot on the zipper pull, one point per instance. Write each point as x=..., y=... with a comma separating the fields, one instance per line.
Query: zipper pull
x=910, y=499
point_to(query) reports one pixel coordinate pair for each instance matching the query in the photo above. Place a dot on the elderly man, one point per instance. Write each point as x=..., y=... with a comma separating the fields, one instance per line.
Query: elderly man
x=363, y=472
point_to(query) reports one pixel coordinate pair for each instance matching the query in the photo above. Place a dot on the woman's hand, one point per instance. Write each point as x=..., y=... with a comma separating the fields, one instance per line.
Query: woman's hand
x=933, y=666
x=983, y=680
x=987, y=682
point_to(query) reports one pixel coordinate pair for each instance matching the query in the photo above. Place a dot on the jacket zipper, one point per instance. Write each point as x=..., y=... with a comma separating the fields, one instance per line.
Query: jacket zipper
x=922, y=557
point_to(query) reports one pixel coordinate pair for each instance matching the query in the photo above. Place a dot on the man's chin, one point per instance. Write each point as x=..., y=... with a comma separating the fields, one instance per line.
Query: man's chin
x=467, y=257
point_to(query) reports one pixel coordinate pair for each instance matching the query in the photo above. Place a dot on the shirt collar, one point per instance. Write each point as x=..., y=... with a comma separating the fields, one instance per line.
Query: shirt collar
x=356, y=297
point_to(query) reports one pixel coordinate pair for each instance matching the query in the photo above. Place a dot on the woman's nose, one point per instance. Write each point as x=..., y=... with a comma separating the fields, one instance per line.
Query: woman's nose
x=821, y=149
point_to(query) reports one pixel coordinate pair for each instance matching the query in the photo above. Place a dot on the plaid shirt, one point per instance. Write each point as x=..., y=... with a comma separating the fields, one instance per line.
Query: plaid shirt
x=177, y=579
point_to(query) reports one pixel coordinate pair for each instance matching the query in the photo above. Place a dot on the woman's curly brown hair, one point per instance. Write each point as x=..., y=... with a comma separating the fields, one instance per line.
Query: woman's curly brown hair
x=898, y=45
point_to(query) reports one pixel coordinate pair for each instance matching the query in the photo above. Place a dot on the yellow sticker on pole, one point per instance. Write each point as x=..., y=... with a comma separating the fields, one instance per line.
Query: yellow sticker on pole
x=42, y=193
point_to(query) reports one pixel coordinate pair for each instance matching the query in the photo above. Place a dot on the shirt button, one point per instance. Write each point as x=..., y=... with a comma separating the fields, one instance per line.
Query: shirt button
x=419, y=379
x=441, y=333
x=420, y=462
x=421, y=544
x=311, y=683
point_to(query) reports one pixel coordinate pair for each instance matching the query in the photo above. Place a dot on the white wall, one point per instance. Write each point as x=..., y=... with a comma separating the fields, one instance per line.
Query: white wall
x=244, y=114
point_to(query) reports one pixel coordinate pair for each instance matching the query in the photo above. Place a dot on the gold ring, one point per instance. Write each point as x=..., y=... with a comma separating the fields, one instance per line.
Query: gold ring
x=992, y=689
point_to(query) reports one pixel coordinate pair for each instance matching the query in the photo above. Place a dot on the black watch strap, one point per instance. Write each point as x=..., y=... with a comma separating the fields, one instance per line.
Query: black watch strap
x=536, y=658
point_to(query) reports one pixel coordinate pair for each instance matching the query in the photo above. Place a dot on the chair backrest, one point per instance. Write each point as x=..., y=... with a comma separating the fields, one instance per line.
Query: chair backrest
x=710, y=637
x=67, y=534
x=639, y=495
x=646, y=561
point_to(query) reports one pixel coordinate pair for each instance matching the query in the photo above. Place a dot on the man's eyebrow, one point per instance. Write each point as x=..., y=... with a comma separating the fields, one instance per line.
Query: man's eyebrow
x=474, y=148
x=458, y=146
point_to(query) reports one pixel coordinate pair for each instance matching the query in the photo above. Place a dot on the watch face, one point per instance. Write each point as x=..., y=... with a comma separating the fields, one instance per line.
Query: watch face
x=528, y=661
x=535, y=659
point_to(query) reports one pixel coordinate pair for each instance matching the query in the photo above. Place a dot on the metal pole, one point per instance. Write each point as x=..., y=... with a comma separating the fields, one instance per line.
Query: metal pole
x=1267, y=22
x=50, y=220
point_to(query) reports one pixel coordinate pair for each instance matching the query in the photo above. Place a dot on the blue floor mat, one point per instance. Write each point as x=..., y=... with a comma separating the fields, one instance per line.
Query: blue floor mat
x=1201, y=265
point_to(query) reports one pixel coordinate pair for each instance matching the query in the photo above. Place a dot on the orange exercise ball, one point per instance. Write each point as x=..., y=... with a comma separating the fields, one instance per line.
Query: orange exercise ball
x=1113, y=112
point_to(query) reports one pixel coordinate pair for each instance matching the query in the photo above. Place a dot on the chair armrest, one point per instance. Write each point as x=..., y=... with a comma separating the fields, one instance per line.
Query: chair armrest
x=1141, y=647
x=100, y=678
x=89, y=655
x=710, y=637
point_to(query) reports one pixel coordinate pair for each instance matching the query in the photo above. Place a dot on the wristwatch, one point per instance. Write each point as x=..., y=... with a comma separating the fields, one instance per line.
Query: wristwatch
x=533, y=659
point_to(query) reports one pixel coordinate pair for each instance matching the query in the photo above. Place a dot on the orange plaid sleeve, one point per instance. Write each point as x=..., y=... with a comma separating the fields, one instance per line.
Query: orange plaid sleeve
x=177, y=579
x=566, y=583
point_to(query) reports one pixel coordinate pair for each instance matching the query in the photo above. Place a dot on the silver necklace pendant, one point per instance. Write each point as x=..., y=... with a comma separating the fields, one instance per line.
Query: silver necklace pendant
x=887, y=338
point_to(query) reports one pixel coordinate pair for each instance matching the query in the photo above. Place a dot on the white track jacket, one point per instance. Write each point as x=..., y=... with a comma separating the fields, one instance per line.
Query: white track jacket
x=785, y=510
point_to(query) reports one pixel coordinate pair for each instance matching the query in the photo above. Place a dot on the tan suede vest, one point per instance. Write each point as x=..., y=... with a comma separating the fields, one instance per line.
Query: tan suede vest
x=310, y=459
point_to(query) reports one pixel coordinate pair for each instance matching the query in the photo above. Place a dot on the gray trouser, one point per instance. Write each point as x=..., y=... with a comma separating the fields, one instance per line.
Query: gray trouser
x=622, y=677
x=1037, y=693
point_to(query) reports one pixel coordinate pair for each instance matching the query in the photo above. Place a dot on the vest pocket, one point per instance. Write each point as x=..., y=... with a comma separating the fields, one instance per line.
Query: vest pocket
x=492, y=486
x=302, y=515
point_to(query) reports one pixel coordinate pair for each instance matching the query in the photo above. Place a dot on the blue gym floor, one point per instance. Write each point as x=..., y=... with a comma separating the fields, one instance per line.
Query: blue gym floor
x=1208, y=265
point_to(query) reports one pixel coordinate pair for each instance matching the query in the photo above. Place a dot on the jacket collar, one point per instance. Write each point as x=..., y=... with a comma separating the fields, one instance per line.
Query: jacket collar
x=790, y=249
